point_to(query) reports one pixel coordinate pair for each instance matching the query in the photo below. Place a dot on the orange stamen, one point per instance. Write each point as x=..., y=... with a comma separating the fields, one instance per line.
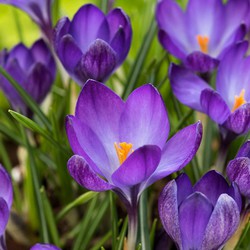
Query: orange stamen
x=239, y=100
x=203, y=43
x=123, y=150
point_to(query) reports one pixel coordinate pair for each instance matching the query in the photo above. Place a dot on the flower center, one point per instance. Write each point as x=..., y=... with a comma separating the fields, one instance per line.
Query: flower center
x=239, y=100
x=123, y=149
x=203, y=43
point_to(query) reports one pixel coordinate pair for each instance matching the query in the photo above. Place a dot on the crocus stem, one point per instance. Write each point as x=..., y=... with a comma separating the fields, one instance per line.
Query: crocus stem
x=2, y=242
x=132, y=228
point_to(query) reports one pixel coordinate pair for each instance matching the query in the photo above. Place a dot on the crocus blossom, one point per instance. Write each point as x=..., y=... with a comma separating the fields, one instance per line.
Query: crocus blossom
x=40, y=246
x=38, y=10
x=202, y=217
x=33, y=68
x=238, y=169
x=200, y=35
x=229, y=104
x=121, y=146
x=6, y=197
x=93, y=45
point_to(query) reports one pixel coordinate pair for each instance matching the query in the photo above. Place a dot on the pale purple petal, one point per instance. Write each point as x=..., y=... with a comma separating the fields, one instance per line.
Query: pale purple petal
x=187, y=86
x=222, y=224
x=39, y=246
x=4, y=215
x=244, y=150
x=85, y=176
x=168, y=211
x=214, y=106
x=6, y=190
x=239, y=121
x=178, y=151
x=137, y=167
x=238, y=171
x=212, y=185
x=144, y=118
x=60, y=30
x=194, y=214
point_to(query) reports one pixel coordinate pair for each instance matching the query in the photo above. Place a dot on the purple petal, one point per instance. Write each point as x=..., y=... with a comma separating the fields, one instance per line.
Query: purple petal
x=61, y=29
x=194, y=214
x=4, y=215
x=222, y=224
x=6, y=190
x=238, y=171
x=178, y=151
x=144, y=118
x=39, y=246
x=168, y=211
x=214, y=106
x=234, y=192
x=98, y=63
x=197, y=61
x=85, y=176
x=137, y=167
x=187, y=86
x=212, y=185
x=239, y=121
x=244, y=150
x=89, y=19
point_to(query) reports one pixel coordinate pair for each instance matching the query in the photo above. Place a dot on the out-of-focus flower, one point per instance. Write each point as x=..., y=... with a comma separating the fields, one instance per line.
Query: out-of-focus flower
x=201, y=34
x=40, y=246
x=33, y=68
x=121, y=146
x=229, y=104
x=93, y=45
x=38, y=10
x=204, y=216
x=6, y=197
x=238, y=169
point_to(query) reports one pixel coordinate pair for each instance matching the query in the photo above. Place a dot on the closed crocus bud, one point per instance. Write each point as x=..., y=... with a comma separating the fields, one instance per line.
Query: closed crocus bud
x=202, y=217
x=238, y=170
x=33, y=68
x=93, y=45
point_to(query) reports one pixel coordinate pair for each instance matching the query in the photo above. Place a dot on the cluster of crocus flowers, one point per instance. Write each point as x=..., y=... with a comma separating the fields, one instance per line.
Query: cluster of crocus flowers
x=6, y=197
x=228, y=104
x=204, y=216
x=203, y=32
x=121, y=146
x=93, y=45
x=33, y=68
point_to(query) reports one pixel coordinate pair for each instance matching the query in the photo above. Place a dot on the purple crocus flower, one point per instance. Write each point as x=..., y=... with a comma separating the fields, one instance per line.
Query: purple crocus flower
x=121, y=146
x=38, y=10
x=33, y=68
x=6, y=197
x=95, y=49
x=40, y=246
x=238, y=169
x=204, y=216
x=229, y=104
x=200, y=35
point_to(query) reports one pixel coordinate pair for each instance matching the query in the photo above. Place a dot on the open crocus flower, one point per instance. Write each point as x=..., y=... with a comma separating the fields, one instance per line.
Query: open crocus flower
x=238, y=169
x=40, y=246
x=33, y=68
x=229, y=104
x=6, y=197
x=202, y=33
x=38, y=10
x=95, y=49
x=204, y=216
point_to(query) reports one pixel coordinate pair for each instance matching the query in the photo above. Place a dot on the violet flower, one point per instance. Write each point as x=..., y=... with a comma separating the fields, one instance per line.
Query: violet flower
x=33, y=68
x=40, y=246
x=229, y=104
x=238, y=169
x=200, y=35
x=95, y=49
x=38, y=10
x=121, y=146
x=6, y=197
x=202, y=217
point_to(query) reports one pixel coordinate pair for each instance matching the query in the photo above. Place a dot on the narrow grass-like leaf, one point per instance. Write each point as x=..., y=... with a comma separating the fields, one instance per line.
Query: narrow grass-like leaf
x=100, y=243
x=152, y=233
x=243, y=237
x=122, y=234
x=114, y=220
x=13, y=135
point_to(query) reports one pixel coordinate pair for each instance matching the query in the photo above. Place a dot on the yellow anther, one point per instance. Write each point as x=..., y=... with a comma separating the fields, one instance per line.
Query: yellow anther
x=203, y=43
x=239, y=100
x=123, y=150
